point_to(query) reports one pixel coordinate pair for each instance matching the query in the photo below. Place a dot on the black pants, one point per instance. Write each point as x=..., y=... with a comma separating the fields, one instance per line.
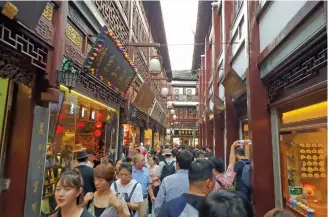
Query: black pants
x=150, y=204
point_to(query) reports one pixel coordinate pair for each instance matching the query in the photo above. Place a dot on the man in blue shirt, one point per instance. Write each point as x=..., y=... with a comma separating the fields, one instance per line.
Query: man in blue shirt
x=141, y=175
x=175, y=185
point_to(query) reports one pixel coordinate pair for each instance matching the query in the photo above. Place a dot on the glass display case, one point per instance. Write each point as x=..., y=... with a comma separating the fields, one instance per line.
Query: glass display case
x=303, y=146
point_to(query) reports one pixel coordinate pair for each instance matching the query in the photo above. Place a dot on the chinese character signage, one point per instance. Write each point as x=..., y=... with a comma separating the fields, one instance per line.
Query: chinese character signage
x=185, y=132
x=109, y=61
x=34, y=186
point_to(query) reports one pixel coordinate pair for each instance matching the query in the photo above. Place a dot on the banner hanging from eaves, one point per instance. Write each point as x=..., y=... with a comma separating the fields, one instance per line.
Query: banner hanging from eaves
x=109, y=62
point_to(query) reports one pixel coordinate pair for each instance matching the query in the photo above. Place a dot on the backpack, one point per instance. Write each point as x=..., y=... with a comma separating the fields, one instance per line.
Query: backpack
x=168, y=169
x=127, y=198
x=180, y=208
x=246, y=174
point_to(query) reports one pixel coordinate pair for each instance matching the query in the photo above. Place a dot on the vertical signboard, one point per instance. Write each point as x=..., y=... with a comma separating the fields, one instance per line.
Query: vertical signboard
x=4, y=85
x=35, y=176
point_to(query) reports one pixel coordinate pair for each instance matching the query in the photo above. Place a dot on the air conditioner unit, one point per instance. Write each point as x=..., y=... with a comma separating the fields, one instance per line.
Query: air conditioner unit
x=177, y=98
x=177, y=90
x=189, y=98
x=184, y=97
x=190, y=91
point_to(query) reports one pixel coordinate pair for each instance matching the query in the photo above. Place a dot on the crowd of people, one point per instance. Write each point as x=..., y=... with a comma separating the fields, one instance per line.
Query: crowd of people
x=174, y=182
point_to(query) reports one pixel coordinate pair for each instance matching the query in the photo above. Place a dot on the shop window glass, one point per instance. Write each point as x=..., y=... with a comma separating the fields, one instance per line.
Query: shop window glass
x=148, y=137
x=78, y=123
x=303, y=144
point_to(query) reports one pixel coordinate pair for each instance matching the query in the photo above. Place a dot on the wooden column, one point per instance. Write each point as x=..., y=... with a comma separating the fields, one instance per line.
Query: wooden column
x=208, y=72
x=217, y=122
x=204, y=133
x=200, y=136
x=55, y=56
x=259, y=123
x=230, y=112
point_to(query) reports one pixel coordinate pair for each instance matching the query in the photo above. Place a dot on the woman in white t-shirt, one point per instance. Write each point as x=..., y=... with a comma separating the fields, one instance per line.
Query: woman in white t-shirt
x=129, y=188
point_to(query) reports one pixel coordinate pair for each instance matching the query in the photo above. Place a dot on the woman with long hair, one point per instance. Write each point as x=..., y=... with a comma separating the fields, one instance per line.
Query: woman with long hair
x=104, y=202
x=68, y=195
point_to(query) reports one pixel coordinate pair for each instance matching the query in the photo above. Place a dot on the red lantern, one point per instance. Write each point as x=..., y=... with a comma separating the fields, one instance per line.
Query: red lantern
x=59, y=129
x=61, y=117
x=98, y=125
x=80, y=124
x=97, y=133
x=100, y=116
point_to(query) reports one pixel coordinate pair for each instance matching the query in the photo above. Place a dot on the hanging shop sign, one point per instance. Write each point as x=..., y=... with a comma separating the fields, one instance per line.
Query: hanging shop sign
x=185, y=132
x=145, y=98
x=37, y=158
x=156, y=111
x=218, y=103
x=4, y=86
x=109, y=62
x=163, y=118
x=21, y=11
x=234, y=85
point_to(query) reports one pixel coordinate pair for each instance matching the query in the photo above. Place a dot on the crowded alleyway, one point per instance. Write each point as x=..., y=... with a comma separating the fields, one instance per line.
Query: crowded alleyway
x=166, y=108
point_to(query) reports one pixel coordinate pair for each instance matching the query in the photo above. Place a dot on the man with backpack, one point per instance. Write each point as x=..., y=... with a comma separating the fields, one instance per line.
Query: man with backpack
x=243, y=174
x=167, y=166
x=175, y=185
x=201, y=183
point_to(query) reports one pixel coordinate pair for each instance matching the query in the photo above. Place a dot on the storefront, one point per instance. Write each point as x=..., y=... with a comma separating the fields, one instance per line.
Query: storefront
x=298, y=109
x=186, y=137
x=148, y=139
x=131, y=134
x=25, y=91
x=303, y=148
x=83, y=123
x=87, y=116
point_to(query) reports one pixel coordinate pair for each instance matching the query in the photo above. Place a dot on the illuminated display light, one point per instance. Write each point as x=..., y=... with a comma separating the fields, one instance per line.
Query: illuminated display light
x=98, y=125
x=97, y=133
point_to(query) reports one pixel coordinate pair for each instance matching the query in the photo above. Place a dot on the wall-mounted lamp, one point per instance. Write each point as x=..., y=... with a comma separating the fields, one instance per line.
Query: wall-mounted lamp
x=67, y=75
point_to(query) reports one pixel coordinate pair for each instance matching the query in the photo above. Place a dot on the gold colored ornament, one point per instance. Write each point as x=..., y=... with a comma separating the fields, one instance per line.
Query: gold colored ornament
x=10, y=10
x=74, y=35
x=47, y=12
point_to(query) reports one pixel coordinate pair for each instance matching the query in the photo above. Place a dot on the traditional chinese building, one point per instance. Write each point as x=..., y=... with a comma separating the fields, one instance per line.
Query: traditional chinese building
x=56, y=116
x=183, y=116
x=263, y=76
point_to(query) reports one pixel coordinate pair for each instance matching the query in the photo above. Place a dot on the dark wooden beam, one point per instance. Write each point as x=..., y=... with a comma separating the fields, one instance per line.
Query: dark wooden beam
x=259, y=123
x=230, y=112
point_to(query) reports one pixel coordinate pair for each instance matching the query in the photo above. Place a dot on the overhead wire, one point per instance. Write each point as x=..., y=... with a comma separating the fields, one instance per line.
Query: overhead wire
x=197, y=44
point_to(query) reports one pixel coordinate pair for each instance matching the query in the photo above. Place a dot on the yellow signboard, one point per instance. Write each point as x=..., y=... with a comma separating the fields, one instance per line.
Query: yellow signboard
x=4, y=84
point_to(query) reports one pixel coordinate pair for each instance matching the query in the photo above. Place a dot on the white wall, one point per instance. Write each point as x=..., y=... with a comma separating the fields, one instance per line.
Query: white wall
x=275, y=18
x=300, y=36
x=239, y=63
